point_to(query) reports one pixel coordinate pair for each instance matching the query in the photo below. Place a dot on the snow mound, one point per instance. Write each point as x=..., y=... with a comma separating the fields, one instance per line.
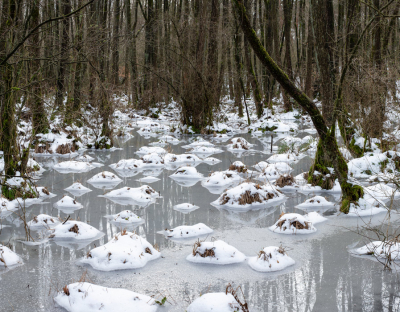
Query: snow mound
x=86, y=158
x=169, y=139
x=198, y=143
x=125, y=251
x=239, y=145
x=367, y=165
x=204, y=150
x=105, y=178
x=294, y=223
x=184, y=173
x=214, y=302
x=185, y=207
x=211, y=161
x=152, y=160
x=271, y=259
x=73, y=166
x=280, y=167
x=219, y=179
x=90, y=298
x=148, y=179
x=127, y=164
x=385, y=250
x=316, y=202
x=77, y=189
x=7, y=207
x=42, y=221
x=287, y=158
x=186, y=231
x=142, y=194
x=247, y=196
x=8, y=257
x=187, y=159
x=144, y=150
x=125, y=217
x=217, y=252
x=44, y=193
x=67, y=202
x=75, y=230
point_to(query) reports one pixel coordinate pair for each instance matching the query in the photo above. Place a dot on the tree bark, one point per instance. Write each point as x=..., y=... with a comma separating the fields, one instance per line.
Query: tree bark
x=66, y=9
x=350, y=193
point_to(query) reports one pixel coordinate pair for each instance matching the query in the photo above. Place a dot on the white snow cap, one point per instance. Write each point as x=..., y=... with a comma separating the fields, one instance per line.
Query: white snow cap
x=186, y=231
x=90, y=298
x=75, y=230
x=8, y=257
x=125, y=251
x=216, y=252
x=294, y=223
x=271, y=259
x=214, y=302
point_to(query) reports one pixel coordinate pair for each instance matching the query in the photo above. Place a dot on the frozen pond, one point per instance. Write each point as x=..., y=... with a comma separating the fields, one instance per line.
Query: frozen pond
x=325, y=277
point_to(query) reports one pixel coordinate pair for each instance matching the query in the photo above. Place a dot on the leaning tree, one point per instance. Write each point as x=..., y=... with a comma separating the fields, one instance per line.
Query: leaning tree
x=327, y=146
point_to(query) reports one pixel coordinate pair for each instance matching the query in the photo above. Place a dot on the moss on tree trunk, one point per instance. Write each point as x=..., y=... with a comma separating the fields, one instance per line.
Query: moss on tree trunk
x=350, y=193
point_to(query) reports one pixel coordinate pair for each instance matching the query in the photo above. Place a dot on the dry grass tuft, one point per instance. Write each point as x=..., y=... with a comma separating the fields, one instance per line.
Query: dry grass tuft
x=43, y=149
x=235, y=293
x=147, y=250
x=66, y=290
x=296, y=224
x=74, y=229
x=240, y=169
x=207, y=252
x=65, y=149
x=285, y=180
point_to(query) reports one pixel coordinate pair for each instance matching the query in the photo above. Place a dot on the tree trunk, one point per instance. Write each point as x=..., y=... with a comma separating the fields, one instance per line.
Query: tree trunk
x=350, y=193
x=322, y=14
x=287, y=17
x=66, y=9
x=115, y=44
x=239, y=79
x=39, y=118
x=252, y=75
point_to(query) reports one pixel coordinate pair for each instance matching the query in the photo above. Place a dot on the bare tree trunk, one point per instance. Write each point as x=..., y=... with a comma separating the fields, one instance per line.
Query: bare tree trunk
x=239, y=79
x=350, y=193
x=309, y=69
x=39, y=117
x=325, y=43
x=212, y=61
x=66, y=9
x=287, y=17
x=115, y=44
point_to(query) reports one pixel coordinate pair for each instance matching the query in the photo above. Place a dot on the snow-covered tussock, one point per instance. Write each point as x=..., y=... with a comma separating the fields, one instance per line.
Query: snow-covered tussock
x=271, y=259
x=126, y=250
x=247, y=195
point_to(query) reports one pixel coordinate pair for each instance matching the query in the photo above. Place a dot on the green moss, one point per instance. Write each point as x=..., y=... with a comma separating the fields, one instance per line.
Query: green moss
x=358, y=151
x=352, y=194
